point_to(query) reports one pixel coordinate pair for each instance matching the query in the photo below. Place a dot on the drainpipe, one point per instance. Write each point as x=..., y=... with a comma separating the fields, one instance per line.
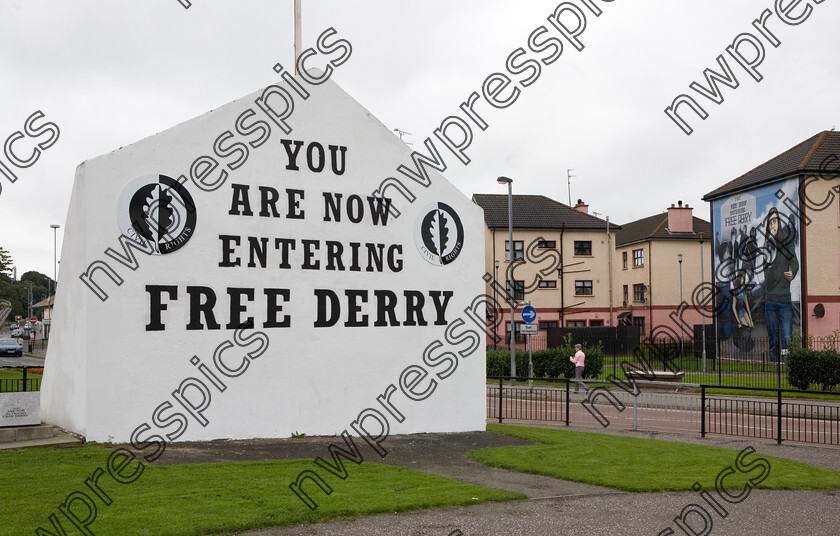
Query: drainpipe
x=560, y=273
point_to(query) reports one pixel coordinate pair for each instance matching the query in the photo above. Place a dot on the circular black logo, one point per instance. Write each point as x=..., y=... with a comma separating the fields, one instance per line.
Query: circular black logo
x=158, y=211
x=439, y=234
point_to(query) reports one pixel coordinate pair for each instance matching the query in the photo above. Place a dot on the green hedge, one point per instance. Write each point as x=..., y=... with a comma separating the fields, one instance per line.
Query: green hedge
x=551, y=363
x=811, y=367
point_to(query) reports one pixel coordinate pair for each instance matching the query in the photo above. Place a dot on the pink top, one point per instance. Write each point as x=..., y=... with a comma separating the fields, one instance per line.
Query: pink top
x=579, y=358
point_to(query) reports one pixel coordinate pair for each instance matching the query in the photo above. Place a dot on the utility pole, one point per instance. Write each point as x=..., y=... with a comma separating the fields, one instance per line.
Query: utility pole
x=297, y=34
x=569, y=183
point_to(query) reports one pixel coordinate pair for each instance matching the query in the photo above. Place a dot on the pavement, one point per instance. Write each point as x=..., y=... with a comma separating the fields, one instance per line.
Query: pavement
x=553, y=506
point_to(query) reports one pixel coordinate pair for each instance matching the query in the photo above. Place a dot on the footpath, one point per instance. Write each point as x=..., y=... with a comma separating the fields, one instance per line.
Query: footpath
x=553, y=506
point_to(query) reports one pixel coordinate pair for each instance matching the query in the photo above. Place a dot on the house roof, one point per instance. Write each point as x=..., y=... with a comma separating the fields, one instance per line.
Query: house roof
x=536, y=212
x=43, y=303
x=806, y=157
x=656, y=228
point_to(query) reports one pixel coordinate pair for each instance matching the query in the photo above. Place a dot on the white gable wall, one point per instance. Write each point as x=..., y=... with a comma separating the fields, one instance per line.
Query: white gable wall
x=106, y=374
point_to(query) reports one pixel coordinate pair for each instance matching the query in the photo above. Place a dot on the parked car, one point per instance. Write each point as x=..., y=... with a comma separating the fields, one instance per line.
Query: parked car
x=17, y=333
x=10, y=347
x=13, y=327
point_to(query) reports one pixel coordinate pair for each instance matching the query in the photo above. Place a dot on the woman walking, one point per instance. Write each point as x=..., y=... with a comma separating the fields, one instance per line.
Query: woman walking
x=578, y=359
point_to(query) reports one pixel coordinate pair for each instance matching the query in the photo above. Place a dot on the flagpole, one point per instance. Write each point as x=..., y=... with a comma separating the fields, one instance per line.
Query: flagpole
x=297, y=34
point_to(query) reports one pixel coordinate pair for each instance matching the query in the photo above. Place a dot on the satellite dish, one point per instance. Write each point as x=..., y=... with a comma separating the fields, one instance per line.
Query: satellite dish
x=819, y=310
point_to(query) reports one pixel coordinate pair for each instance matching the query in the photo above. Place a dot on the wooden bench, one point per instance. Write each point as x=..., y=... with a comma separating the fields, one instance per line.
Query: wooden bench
x=657, y=376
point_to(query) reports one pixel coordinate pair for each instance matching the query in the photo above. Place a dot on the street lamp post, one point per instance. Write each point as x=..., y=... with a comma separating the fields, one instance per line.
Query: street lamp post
x=703, y=302
x=512, y=296
x=55, y=228
x=679, y=308
x=496, y=304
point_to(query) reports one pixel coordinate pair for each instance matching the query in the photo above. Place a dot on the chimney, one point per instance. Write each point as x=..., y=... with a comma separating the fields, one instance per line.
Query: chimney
x=680, y=218
x=582, y=207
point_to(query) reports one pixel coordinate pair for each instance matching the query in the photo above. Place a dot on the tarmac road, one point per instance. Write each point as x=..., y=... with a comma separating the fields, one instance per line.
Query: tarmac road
x=25, y=361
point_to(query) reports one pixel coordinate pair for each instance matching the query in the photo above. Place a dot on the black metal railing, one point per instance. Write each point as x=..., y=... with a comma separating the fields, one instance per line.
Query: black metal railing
x=728, y=363
x=522, y=402
x=811, y=421
x=26, y=383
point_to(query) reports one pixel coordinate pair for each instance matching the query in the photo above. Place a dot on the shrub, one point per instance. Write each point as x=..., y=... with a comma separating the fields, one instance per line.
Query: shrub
x=811, y=367
x=498, y=363
x=800, y=368
x=551, y=363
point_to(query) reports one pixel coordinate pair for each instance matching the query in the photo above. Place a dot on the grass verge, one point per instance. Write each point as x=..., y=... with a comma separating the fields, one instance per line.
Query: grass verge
x=186, y=500
x=643, y=465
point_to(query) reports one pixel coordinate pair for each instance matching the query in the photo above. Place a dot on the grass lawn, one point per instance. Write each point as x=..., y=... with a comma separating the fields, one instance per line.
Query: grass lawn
x=210, y=498
x=16, y=374
x=642, y=465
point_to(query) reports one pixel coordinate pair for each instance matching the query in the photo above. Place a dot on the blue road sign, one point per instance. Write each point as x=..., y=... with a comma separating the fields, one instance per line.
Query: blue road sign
x=529, y=314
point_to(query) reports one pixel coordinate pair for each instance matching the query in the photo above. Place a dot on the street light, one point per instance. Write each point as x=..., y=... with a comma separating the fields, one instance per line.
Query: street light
x=55, y=228
x=496, y=304
x=679, y=308
x=679, y=260
x=703, y=302
x=509, y=182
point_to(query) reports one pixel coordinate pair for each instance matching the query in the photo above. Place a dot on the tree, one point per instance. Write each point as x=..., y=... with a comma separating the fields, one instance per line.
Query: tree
x=5, y=262
x=17, y=292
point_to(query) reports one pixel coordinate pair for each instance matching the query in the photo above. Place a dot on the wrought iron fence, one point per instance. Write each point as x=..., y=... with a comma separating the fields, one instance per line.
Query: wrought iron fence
x=809, y=421
x=29, y=380
x=727, y=363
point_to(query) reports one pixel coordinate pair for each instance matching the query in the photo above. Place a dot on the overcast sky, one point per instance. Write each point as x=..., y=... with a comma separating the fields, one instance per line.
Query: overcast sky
x=111, y=73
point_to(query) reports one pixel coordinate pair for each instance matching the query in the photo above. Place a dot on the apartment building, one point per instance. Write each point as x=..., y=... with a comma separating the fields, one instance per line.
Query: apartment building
x=562, y=262
x=660, y=264
x=777, y=244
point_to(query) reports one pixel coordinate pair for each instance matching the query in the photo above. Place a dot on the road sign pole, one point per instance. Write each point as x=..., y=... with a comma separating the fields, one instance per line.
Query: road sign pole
x=530, y=365
x=529, y=314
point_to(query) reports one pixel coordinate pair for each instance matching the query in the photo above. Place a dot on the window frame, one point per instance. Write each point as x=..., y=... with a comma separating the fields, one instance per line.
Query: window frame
x=639, y=292
x=590, y=287
x=519, y=337
x=550, y=284
x=518, y=250
x=639, y=260
x=575, y=248
x=518, y=287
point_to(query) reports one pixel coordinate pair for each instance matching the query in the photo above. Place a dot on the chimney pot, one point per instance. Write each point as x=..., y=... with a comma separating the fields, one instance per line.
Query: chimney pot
x=680, y=218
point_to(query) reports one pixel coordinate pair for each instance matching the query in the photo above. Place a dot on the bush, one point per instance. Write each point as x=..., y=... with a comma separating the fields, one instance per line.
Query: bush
x=551, y=363
x=811, y=367
x=498, y=363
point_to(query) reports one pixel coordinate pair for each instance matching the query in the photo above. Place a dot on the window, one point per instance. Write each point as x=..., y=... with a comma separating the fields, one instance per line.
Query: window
x=596, y=322
x=638, y=258
x=639, y=321
x=518, y=289
x=583, y=288
x=547, y=244
x=626, y=295
x=624, y=260
x=639, y=292
x=549, y=324
x=519, y=336
x=548, y=283
x=583, y=248
x=517, y=250
x=576, y=323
